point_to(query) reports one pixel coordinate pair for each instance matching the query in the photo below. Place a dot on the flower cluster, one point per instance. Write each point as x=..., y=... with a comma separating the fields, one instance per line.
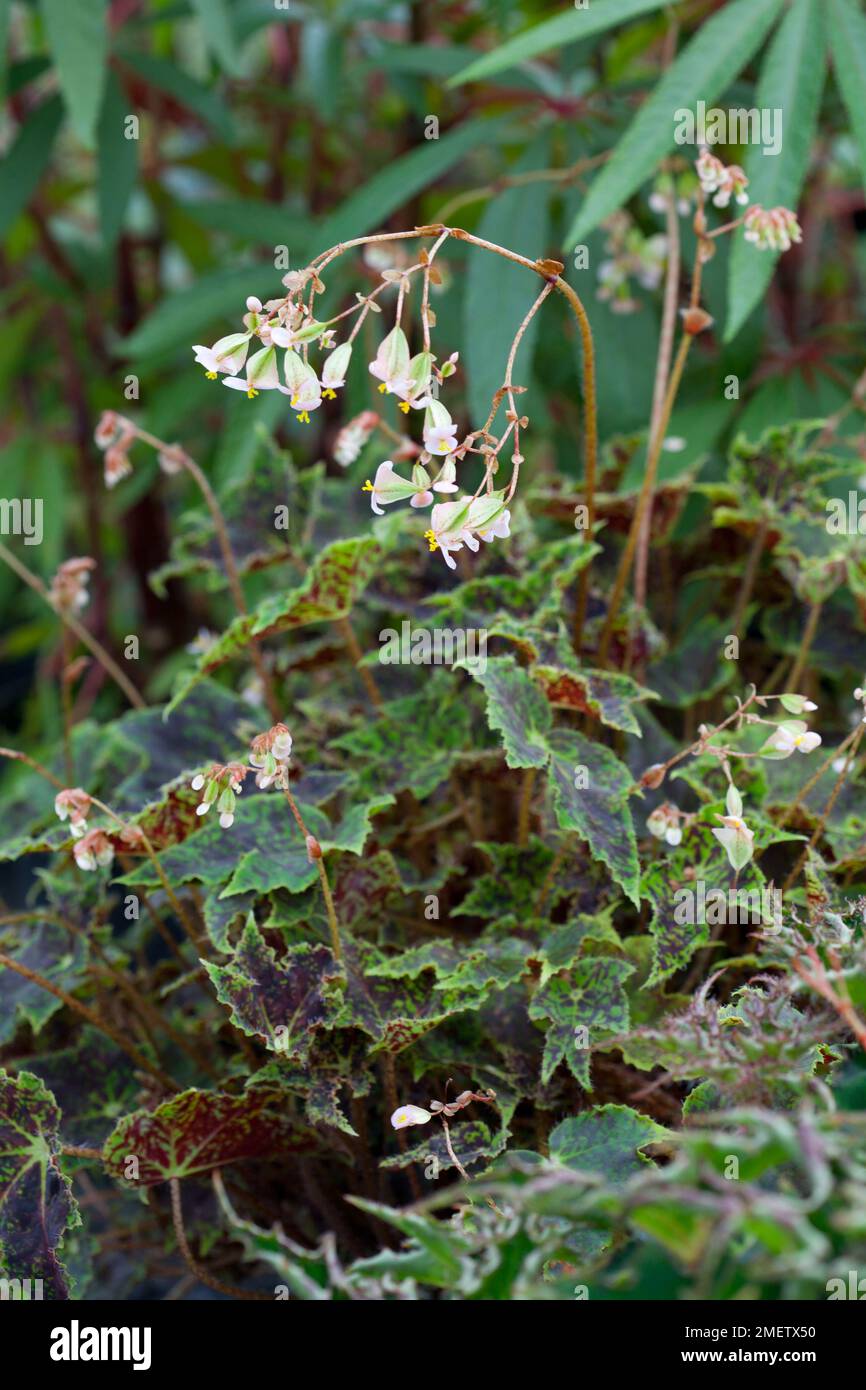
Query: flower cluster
x=269, y=755
x=222, y=783
x=354, y=437
x=773, y=229
x=115, y=437
x=278, y=324
x=723, y=181
x=664, y=823
x=630, y=255
x=73, y=805
x=69, y=588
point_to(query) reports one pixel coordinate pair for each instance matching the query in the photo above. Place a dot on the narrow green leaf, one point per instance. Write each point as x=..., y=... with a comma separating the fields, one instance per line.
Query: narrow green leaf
x=791, y=81
x=847, y=28
x=78, y=40
x=566, y=28
x=118, y=162
x=198, y=99
x=706, y=67
x=27, y=161
x=216, y=21
x=405, y=177
x=521, y=221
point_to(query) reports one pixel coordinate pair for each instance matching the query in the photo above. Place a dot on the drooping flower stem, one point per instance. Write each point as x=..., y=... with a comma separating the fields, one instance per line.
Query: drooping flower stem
x=108, y=664
x=228, y=556
x=314, y=850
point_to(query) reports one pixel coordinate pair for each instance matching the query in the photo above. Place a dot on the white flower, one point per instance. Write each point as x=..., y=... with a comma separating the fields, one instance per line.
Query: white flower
x=737, y=839
x=792, y=734
x=334, y=369
x=302, y=386
x=262, y=374
x=227, y=354
x=94, y=850
x=388, y=487
x=440, y=439
x=73, y=804
x=449, y=529
x=391, y=364
x=445, y=478
x=353, y=437
x=410, y=1115
x=664, y=823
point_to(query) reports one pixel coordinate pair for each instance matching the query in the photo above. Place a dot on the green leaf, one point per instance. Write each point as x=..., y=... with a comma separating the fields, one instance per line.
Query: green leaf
x=571, y=27
x=521, y=222
x=591, y=998
x=216, y=21
x=404, y=177
x=94, y=1083
x=791, y=80
x=606, y=694
x=36, y=1202
x=279, y=1000
x=847, y=28
x=77, y=33
x=720, y=50
x=605, y=1140
x=168, y=77
x=516, y=708
x=599, y=811
x=27, y=160
x=200, y=1130
x=118, y=162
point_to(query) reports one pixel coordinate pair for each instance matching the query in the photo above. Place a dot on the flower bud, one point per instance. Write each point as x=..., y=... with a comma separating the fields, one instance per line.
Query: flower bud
x=314, y=849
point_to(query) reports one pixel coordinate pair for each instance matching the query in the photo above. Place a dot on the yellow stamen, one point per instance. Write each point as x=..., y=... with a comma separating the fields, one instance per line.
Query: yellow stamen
x=368, y=486
x=383, y=388
x=328, y=394
x=251, y=392
x=430, y=537
x=211, y=376
x=303, y=418
x=404, y=406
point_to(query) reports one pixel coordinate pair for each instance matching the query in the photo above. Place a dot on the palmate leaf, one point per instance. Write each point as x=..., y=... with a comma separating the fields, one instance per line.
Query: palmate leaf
x=514, y=885
x=599, y=811
x=415, y=744
x=608, y=695
x=710, y=61
x=336, y=578
x=791, y=81
x=197, y=1131
x=607, y=1139
x=36, y=1202
x=516, y=709
x=281, y=1000
x=393, y=1013
x=472, y=1141
x=590, y=996
x=552, y=34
